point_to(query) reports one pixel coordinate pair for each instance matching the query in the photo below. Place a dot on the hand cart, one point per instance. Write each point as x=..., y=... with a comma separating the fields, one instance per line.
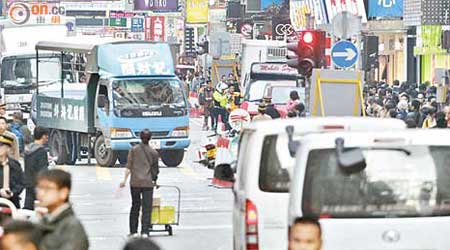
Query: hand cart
x=166, y=209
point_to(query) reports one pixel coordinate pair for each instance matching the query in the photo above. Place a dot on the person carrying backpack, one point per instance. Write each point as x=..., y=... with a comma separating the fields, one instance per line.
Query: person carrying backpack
x=21, y=131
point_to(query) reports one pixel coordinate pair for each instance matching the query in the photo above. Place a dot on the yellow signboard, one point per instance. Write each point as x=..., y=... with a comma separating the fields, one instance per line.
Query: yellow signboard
x=197, y=11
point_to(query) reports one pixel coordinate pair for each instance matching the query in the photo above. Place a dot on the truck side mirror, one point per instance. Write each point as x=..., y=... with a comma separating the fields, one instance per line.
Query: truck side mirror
x=350, y=161
x=101, y=101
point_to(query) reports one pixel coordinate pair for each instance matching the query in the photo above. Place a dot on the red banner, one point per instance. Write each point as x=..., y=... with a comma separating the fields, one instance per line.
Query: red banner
x=157, y=28
x=148, y=28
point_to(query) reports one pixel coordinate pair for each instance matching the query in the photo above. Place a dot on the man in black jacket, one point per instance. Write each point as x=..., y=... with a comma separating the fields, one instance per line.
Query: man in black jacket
x=270, y=108
x=36, y=160
x=63, y=230
x=11, y=175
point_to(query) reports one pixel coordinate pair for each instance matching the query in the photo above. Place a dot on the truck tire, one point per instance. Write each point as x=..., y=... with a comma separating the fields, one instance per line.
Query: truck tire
x=123, y=157
x=104, y=156
x=57, y=144
x=172, y=158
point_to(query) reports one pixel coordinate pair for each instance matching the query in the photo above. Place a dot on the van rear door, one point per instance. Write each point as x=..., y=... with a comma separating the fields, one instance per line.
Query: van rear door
x=400, y=200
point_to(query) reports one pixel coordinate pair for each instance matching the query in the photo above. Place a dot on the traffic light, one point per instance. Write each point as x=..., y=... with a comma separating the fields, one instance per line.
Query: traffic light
x=203, y=47
x=309, y=52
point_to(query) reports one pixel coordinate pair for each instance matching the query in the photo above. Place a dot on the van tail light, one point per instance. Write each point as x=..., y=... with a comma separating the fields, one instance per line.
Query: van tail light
x=325, y=216
x=333, y=127
x=251, y=224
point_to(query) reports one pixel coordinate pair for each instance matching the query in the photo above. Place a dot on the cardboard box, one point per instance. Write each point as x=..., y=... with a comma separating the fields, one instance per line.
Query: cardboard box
x=155, y=215
x=163, y=215
x=167, y=215
x=156, y=201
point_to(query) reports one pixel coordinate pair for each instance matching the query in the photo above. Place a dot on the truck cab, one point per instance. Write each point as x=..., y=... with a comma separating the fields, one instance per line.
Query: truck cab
x=122, y=88
x=18, y=63
x=263, y=75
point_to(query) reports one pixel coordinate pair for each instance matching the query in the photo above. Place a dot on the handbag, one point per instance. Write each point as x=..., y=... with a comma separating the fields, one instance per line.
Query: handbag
x=154, y=175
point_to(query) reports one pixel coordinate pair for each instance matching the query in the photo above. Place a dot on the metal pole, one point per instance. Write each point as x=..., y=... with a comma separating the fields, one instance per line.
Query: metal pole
x=62, y=75
x=220, y=47
x=307, y=94
x=37, y=72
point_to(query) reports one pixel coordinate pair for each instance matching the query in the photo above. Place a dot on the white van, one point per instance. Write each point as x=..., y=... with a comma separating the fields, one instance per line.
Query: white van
x=386, y=190
x=262, y=175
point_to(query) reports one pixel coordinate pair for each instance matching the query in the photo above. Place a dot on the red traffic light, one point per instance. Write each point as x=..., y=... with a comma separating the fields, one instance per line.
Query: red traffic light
x=308, y=37
x=309, y=52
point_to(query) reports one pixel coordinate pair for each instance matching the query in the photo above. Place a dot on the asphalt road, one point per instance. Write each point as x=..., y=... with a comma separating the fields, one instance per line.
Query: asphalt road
x=205, y=211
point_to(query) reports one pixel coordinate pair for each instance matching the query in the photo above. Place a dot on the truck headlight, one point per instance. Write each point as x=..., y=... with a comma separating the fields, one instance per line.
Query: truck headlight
x=181, y=132
x=121, y=133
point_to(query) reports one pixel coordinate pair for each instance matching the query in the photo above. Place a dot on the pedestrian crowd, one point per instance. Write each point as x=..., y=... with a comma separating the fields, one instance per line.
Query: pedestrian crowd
x=217, y=101
x=418, y=106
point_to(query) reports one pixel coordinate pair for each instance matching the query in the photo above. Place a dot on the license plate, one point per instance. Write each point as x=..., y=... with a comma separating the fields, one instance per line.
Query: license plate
x=155, y=144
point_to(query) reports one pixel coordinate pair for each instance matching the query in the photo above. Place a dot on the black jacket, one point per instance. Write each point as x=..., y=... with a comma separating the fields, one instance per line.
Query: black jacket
x=64, y=232
x=15, y=180
x=36, y=160
x=272, y=112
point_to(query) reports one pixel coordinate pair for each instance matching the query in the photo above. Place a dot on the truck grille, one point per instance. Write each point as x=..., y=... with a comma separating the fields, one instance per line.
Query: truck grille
x=156, y=134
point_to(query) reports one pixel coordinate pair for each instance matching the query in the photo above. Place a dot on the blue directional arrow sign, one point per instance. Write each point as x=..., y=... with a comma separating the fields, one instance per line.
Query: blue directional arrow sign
x=344, y=54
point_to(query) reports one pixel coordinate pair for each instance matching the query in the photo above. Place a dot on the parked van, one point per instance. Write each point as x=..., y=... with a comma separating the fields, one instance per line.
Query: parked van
x=375, y=190
x=262, y=175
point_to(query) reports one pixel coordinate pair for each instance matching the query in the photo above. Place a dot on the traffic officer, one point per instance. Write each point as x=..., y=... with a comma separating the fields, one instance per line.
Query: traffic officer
x=221, y=105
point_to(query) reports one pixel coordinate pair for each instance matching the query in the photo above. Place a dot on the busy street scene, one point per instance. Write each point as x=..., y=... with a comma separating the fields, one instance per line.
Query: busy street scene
x=224, y=124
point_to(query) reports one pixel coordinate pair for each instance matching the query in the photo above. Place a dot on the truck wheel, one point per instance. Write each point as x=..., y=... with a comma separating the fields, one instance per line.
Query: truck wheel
x=105, y=157
x=123, y=157
x=57, y=147
x=172, y=158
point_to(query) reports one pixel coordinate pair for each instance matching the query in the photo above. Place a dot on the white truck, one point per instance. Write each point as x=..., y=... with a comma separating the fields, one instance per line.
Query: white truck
x=18, y=62
x=258, y=51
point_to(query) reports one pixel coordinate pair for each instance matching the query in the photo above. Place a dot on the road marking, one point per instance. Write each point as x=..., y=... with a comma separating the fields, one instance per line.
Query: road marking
x=188, y=171
x=205, y=227
x=103, y=174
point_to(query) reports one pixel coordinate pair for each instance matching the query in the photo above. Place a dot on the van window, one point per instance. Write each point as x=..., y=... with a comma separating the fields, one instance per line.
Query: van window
x=275, y=161
x=411, y=181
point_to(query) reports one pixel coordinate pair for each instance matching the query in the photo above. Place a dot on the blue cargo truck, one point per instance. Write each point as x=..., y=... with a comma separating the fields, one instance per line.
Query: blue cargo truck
x=108, y=92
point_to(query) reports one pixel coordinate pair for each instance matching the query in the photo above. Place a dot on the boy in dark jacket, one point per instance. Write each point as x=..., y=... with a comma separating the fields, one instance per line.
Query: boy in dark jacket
x=36, y=160
x=11, y=175
x=63, y=230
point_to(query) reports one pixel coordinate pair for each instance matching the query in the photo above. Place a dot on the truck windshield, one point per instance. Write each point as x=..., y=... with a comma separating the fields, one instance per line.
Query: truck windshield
x=394, y=184
x=18, y=71
x=256, y=89
x=280, y=95
x=147, y=93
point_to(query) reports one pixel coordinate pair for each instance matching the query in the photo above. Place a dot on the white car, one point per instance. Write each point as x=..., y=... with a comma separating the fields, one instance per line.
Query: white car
x=375, y=190
x=262, y=176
